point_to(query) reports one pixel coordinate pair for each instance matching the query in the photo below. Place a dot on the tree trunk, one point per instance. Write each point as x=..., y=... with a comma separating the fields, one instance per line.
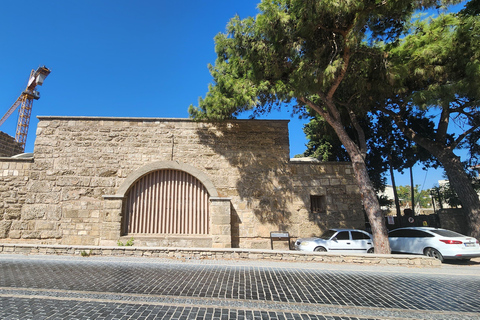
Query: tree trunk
x=462, y=185
x=369, y=196
x=371, y=205
x=394, y=187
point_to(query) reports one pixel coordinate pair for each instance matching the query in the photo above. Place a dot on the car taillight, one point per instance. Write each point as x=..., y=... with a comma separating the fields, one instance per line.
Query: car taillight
x=451, y=241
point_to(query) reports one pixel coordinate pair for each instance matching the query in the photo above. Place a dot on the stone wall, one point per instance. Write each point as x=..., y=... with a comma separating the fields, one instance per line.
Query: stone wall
x=72, y=188
x=14, y=176
x=8, y=146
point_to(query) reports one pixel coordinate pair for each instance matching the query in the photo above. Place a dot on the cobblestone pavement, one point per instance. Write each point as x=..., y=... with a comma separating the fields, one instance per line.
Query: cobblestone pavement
x=46, y=287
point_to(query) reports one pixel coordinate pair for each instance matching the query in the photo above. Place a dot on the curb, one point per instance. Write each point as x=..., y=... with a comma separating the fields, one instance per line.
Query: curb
x=220, y=254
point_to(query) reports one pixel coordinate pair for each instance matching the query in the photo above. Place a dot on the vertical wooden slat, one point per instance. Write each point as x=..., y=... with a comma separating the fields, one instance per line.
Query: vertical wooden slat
x=206, y=211
x=174, y=202
x=163, y=221
x=154, y=204
x=181, y=219
x=189, y=204
x=167, y=202
x=134, y=209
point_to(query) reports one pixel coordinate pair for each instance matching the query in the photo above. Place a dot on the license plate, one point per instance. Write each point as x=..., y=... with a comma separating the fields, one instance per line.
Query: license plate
x=469, y=244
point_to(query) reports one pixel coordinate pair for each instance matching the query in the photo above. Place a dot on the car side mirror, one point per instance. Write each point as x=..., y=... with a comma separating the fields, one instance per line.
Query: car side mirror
x=334, y=238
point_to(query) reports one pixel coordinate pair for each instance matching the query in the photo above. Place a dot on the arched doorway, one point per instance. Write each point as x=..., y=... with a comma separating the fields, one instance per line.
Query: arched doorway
x=166, y=202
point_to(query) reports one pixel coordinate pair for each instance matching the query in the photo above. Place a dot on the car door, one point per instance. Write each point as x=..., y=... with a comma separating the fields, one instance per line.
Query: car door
x=419, y=239
x=408, y=240
x=361, y=242
x=397, y=240
x=341, y=242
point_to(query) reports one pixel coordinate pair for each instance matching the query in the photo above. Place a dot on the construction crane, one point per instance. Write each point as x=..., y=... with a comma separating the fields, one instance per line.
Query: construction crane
x=25, y=101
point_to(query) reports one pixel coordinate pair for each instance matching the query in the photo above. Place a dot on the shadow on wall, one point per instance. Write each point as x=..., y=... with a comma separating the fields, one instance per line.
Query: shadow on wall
x=260, y=161
x=235, y=230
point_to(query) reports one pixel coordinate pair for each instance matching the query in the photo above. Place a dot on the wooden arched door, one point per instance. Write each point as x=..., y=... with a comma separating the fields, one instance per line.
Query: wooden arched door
x=167, y=202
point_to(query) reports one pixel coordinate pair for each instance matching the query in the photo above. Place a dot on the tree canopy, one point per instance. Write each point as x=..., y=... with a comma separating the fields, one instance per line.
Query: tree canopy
x=434, y=78
x=320, y=54
x=421, y=197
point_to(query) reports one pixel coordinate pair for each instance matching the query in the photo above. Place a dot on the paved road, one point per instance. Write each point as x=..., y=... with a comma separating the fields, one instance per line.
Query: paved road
x=46, y=287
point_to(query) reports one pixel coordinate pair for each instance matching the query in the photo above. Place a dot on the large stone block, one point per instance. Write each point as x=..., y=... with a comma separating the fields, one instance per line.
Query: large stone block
x=54, y=213
x=12, y=213
x=36, y=211
x=221, y=219
x=46, y=225
x=39, y=186
x=31, y=234
x=22, y=225
x=15, y=234
x=221, y=230
x=51, y=234
x=4, y=228
x=76, y=213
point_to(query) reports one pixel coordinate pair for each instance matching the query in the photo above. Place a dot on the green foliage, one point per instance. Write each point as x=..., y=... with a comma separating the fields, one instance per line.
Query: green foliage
x=129, y=243
x=384, y=201
x=438, y=61
x=422, y=197
x=297, y=48
x=434, y=76
x=472, y=8
x=84, y=253
x=323, y=143
x=446, y=193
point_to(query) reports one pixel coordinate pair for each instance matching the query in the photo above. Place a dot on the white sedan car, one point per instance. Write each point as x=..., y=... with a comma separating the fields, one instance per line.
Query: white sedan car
x=338, y=240
x=433, y=242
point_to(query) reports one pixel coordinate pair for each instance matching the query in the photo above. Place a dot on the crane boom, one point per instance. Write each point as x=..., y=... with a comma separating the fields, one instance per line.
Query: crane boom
x=11, y=110
x=25, y=100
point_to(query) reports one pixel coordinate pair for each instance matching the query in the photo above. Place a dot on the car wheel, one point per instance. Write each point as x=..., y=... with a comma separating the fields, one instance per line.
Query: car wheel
x=430, y=252
x=320, y=249
x=371, y=250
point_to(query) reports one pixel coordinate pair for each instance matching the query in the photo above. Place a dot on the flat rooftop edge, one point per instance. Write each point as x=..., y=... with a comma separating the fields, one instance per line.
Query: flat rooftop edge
x=150, y=119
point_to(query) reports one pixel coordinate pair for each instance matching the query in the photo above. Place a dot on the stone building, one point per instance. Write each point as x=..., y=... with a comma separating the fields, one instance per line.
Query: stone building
x=8, y=146
x=170, y=182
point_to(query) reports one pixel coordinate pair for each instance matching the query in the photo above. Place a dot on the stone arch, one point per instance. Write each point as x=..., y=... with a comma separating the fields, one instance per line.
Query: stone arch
x=161, y=165
x=166, y=198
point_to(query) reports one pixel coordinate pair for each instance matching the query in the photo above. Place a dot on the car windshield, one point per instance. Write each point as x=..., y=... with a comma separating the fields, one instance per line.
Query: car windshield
x=328, y=234
x=447, y=233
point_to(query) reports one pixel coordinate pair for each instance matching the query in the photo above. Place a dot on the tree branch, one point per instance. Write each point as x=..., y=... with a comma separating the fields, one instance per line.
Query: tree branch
x=462, y=136
x=361, y=134
x=443, y=125
x=432, y=146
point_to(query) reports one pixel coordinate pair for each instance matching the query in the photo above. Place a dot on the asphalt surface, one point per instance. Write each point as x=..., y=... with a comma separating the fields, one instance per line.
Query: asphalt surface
x=56, y=287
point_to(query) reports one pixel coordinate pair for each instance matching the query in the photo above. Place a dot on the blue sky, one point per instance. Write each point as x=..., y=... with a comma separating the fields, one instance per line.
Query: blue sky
x=121, y=58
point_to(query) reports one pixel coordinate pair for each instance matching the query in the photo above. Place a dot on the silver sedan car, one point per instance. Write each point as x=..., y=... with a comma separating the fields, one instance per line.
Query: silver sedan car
x=338, y=240
x=439, y=243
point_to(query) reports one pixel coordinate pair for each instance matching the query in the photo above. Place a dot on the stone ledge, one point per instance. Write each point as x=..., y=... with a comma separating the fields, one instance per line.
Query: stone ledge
x=222, y=254
x=10, y=159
